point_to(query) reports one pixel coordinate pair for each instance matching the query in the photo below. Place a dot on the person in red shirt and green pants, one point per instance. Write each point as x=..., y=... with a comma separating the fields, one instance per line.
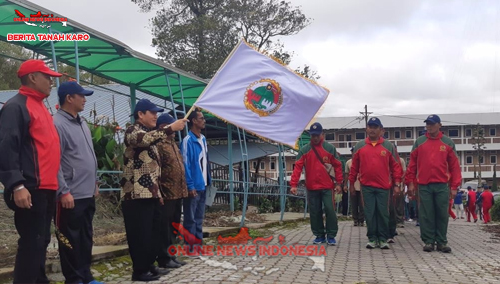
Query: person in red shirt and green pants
x=434, y=168
x=319, y=158
x=377, y=163
x=488, y=202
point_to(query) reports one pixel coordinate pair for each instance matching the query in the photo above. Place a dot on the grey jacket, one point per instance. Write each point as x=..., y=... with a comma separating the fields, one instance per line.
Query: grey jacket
x=78, y=171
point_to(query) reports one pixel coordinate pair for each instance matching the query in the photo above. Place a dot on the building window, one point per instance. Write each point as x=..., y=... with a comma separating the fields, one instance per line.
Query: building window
x=493, y=159
x=348, y=137
x=408, y=134
x=254, y=165
x=272, y=166
x=262, y=166
x=397, y=134
x=341, y=137
x=468, y=132
x=386, y=134
x=468, y=160
x=360, y=136
x=330, y=136
x=493, y=132
x=453, y=132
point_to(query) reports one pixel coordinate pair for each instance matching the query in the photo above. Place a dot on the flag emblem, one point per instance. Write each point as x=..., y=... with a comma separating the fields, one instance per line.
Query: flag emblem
x=263, y=97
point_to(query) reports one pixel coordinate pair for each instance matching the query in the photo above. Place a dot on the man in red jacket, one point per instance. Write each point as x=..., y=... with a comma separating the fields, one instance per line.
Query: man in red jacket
x=488, y=202
x=434, y=164
x=377, y=163
x=471, y=204
x=30, y=158
x=320, y=159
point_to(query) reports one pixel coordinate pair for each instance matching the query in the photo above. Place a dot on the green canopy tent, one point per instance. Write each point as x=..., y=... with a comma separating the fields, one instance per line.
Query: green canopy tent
x=102, y=55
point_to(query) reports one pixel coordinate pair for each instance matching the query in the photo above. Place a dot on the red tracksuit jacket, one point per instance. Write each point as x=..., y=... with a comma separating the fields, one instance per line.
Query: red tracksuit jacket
x=434, y=160
x=378, y=166
x=316, y=175
x=30, y=153
x=487, y=198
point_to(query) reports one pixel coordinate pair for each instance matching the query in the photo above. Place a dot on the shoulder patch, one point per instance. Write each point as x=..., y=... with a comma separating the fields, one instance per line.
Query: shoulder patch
x=359, y=145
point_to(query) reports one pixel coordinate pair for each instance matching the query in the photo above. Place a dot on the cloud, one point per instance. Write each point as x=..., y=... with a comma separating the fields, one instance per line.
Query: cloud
x=395, y=56
x=403, y=56
x=119, y=19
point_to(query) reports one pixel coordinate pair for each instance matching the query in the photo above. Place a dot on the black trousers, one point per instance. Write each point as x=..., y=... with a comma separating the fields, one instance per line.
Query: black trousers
x=74, y=233
x=345, y=202
x=170, y=212
x=33, y=227
x=142, y=225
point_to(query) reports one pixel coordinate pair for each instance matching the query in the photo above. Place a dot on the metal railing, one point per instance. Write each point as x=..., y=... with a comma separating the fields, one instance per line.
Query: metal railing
x=263, y=192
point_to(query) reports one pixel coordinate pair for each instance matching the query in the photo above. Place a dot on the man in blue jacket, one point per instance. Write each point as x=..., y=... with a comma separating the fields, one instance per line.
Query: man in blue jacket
x=195, y=155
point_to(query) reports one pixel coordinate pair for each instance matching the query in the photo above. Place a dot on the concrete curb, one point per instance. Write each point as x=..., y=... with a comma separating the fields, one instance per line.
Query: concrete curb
x=107, y=252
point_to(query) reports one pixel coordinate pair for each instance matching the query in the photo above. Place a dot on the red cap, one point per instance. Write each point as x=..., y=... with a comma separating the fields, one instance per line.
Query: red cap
x=33, y=65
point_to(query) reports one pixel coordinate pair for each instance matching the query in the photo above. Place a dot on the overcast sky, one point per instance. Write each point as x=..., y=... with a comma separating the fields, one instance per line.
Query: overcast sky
x=397, y=57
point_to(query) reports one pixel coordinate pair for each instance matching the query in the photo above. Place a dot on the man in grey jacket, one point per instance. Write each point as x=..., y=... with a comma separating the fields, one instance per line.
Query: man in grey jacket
x=77, y=185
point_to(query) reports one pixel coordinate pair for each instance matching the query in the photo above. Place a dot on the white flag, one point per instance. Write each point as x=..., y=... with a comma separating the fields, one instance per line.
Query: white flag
x=258, y=94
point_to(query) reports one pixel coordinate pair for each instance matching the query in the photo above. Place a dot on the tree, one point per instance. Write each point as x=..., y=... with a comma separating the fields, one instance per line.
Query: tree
x=9, y=65
x=197, y=36
x=494, y=186
x=478, y=142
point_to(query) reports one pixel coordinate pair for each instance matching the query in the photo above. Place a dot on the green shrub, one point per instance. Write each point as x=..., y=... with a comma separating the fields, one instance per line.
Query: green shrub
x=265, y=205
x=495, y=212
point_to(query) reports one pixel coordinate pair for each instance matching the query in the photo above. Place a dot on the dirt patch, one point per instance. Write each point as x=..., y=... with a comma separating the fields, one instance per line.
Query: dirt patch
x=494, y=230
x=213, y=219
x=8, y=236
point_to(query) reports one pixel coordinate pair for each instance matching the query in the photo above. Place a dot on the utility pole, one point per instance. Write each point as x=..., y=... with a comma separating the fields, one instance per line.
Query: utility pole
x=478, y=141
x=365, y=114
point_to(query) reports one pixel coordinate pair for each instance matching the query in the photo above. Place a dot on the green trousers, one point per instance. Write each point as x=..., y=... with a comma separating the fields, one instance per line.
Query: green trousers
x=399, y=201
x=319, y=199
x=433, y=212
x=376, y=201
x=392, y=214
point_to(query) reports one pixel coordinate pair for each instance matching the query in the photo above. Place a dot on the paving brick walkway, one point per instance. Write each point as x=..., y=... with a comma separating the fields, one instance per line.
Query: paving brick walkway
x=475, y=259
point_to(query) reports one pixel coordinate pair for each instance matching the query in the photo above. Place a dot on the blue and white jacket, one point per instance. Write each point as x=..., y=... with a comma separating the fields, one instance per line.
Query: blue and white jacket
x=192, y=155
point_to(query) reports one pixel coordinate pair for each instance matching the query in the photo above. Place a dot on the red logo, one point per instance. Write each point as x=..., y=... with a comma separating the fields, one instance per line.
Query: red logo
x=39, y=17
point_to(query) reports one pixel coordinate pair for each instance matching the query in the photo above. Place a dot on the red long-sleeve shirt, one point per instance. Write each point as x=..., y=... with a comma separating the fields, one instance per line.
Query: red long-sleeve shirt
x=378, y=165
x=434, y=160
x=316, y=175
x=487, y=198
